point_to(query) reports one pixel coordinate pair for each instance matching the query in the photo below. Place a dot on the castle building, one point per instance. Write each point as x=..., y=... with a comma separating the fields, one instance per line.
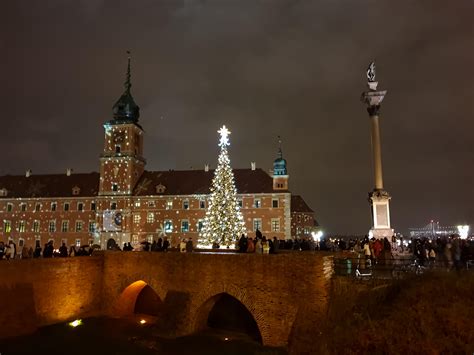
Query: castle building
x=123, y=202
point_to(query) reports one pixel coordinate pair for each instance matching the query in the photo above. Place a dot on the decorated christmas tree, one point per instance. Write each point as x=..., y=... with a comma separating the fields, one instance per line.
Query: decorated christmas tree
x=223, y=223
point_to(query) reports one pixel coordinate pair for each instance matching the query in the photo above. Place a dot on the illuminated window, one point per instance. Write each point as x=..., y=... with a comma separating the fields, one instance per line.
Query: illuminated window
x=21, y=226
x=151, y=203
x=23, y=207
x=275, y=224
x=78, y=243
x=185, y=226
x=257, y=203
x=92, y=206
x=185, y=205
x=113, y=205
x=38, y=207
x=168, y=226
x=149, y=238
x=134, y=239
x=169, y=205
x=257, y=224
x=137, y=203
x=91, y=226
x=136, y=218
x=80, y=206
x=65, y=226
x=150, y=218
x=66, y=206
x=78, y=226
x=9, y=207
x=54, y=205
x=200, y=225
x=275, y=203
x=202, y=204
x=52, y=226
x=36, y=226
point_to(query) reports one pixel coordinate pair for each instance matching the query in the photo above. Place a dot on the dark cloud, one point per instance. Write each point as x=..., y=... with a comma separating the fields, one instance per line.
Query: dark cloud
x=264, y=68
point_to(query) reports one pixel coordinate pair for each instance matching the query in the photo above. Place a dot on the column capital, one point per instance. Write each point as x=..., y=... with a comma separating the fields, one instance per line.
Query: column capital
x=373, y=110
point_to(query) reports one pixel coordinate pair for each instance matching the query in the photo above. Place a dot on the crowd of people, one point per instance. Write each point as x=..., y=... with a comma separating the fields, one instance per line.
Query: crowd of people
x=10, y=251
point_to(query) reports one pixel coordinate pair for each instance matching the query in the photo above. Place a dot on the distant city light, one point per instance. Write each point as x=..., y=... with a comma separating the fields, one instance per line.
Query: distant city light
x=76, y=323
x=142, y=321
x=463, y=231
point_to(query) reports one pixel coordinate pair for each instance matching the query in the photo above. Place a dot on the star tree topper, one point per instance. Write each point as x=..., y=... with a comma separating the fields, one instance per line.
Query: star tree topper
x=224, y=132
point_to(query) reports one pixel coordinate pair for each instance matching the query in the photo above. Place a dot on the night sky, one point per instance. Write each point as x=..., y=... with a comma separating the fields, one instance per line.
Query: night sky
x=263, y=68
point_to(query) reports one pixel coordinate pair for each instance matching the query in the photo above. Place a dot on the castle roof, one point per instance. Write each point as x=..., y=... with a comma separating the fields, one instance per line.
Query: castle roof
x=299, y=205
x=175, y=182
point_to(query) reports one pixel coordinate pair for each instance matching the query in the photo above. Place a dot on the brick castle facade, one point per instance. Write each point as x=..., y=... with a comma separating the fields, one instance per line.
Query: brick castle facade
x=126, y=203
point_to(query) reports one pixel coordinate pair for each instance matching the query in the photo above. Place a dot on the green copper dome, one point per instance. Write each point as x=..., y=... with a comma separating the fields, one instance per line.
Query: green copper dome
x=279, y=165
x=125, y=109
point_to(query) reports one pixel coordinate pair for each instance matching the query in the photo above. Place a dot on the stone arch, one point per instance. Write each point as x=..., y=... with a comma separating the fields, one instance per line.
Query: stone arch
x=207, y=308
x=111, y=244
x=138, y=297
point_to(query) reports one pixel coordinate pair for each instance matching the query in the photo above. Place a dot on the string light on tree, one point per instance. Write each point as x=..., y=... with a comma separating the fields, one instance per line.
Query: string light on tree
x=223, y=223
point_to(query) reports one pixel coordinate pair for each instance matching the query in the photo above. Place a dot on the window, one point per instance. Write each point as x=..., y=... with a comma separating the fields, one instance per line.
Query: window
x=117, y=148
x=113, y=205
x=21, y=242
x=54, y=205
x=134, y=239
x=149, y=238
x=200, y=225
x=136, y=218
x=52, y=226
x=275, y=203
x=202, y=204
x=298, y=218
x=78, y=226
x=185, y=205
x=114, y=187
x=78, y=242
x=37, y=237
x=21, y=226
x=275, y=224
x=150, y=217
x=92, y=206
x=168, y=226
x=80, y=206
x=65, y=226
x=257, y=224
x=7, y=226
x=38, y=207
x=240, y=202
x=151, y=203
x=257, y=203
x=137, y=203
x=23, y=207
x=185, y=226
x=91, y=226
x=169, y=205
x=76, y=190
x=66, y=206
x=9, y=207
x=36, y=226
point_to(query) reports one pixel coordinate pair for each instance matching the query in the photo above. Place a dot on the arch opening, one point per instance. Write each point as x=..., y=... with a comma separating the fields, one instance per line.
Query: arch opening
x=225, y=312
x=138, y=298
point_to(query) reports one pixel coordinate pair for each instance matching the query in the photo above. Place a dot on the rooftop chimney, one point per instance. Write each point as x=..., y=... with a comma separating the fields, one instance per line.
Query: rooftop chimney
x=206, y=167
x=28, y=173
x=68, y=171
x=253, y=165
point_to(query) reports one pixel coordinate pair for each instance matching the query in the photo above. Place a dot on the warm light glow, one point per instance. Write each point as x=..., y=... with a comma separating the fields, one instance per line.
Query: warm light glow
x=463, y=231
x=76, y=323
x=226, y=339
x=142, y=321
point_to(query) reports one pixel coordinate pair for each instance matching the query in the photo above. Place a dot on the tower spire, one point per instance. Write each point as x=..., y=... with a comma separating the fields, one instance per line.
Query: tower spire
x=280, y=152
x=128, y=83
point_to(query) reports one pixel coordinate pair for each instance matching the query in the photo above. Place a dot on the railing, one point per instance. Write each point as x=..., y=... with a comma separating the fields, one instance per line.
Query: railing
x=398, y=266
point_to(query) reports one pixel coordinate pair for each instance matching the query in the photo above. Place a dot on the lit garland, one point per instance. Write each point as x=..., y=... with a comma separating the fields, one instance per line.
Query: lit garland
x=223, y=223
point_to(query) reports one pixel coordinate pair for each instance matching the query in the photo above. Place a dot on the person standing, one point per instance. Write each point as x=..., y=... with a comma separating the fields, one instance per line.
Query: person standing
x=189, y=246
x=258, y=246
x=250, y=246
x=182, y=246
x=2, y=250
x=37, y=252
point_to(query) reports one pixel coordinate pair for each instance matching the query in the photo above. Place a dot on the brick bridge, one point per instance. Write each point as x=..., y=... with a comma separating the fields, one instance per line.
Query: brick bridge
x=286, y=294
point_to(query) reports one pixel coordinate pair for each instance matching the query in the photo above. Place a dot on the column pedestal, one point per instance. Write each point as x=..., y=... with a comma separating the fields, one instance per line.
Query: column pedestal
x=379, y=202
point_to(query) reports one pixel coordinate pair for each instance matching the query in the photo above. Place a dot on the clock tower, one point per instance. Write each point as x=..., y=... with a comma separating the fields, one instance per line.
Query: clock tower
x=121, y=166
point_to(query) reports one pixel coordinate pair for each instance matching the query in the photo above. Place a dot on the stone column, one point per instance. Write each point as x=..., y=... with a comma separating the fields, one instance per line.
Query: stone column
x=378, y=198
